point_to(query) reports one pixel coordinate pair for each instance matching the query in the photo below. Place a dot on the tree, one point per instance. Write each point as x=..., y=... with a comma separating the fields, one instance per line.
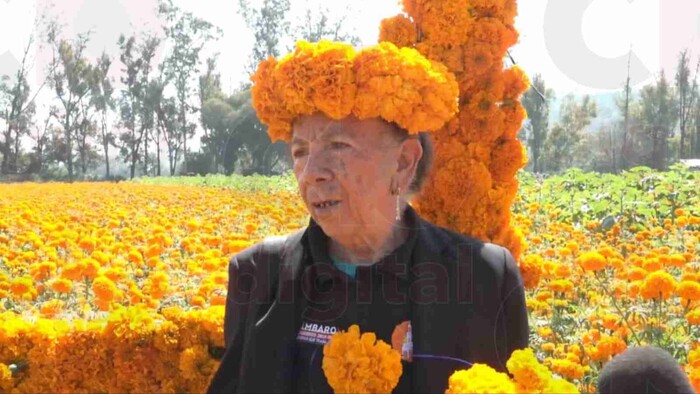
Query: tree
x=69, y=77
x=167, y=122
x=601, y=148
x=536, y=102
x=566, y=135
x=269, y=25
x=623, y=104
x=86, y=131
x=17, y=109
x=217, y=116
x=40, y=138
x=319, y=24
x=187, y=35
x=103, y=102
x=687, y=94
x=209, y=89
x=136, y=102
x=658, y=115
x=56, y=149
x=695, y=142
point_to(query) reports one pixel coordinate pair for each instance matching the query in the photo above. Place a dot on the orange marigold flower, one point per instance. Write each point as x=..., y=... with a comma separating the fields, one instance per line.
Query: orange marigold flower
x=653, y=264
x=88, y=243
x=527, y=370
x=592, y=261
x=21, y=285
x=611, y=321
x=609, y=346
x=565, y=252
x=531, y=270
x=561, y=285
x=543, y=295
x=545, y=332
x=561, y=386
x=636, y=273
x=62, y=285
x=50, y=308
x=479, y=378
x=6, y=381
x=397, y=84
x=135, y=257
x=694, y=376
x=694, y=358
x=568, y=368
x=198, y=301
x=676, y=260
x=91, y=268
x=658, y=284
x=562, y=271
x=443, y=22
x=104, y=289
x=693, y=317
x=154, y=250
x=72, y=271
x=689, y=290
x=354, y=363
x=398, y=30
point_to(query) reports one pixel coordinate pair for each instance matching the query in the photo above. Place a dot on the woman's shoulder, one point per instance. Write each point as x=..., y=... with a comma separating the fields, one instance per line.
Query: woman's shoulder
x=460, y=246
x=271, y=247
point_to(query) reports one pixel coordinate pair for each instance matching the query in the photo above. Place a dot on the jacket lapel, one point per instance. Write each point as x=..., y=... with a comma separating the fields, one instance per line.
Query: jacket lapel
x=272, y=343
x=434, y=323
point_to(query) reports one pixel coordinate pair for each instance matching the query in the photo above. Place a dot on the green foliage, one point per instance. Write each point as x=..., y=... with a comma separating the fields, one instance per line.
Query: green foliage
x=286, y=182
x=658, y=114
x=635, y=197
x=70, y=77
x=269, y=24
x=564, y=139
x=187, y=35
x=136, y=106
x=537, y=108
x=237, y=138
x=319, y=23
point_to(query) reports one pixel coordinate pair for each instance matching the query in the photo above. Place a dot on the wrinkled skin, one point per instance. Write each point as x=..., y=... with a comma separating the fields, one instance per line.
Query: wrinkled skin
x=356, y=162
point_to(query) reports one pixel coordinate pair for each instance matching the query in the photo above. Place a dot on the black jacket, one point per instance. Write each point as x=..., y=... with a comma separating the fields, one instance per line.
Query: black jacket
x=469, y=303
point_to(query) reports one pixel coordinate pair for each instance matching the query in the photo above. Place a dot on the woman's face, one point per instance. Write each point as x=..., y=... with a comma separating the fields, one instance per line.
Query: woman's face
x=344, y=170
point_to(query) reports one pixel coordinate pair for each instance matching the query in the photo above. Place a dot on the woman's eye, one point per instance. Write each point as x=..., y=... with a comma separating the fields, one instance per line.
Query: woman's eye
x=298, y=153
x=339, y=145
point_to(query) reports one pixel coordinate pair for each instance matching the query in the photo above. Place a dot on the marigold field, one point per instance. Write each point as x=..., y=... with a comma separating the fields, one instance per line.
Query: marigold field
x=120, y=287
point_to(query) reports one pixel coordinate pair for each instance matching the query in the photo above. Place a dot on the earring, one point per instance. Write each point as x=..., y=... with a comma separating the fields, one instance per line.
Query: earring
x=398, y=214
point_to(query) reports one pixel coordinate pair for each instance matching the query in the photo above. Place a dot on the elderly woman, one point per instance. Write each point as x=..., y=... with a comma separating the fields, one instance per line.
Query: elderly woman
x=357, y=124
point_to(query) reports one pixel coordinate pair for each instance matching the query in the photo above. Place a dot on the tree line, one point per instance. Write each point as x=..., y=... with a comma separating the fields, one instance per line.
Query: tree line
x=152, y=115
x=655, y=126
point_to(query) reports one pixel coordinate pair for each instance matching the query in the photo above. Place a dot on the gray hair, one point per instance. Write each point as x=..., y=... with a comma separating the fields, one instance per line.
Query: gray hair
x=425, y=164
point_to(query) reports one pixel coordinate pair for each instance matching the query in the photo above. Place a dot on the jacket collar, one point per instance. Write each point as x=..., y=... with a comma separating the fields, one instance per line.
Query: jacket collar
x=395, y=263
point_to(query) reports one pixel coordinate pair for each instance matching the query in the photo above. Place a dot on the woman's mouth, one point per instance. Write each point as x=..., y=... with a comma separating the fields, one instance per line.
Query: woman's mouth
x=326, y=206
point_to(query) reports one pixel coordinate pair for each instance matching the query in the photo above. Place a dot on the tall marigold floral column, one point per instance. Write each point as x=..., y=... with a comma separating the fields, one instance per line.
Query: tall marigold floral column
x=473, y=183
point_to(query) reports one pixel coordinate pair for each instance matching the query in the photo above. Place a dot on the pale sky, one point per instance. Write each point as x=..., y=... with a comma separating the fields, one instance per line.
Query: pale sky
x=578, y=46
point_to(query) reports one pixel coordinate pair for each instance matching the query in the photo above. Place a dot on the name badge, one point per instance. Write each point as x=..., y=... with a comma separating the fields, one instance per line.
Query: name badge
x=316, y=333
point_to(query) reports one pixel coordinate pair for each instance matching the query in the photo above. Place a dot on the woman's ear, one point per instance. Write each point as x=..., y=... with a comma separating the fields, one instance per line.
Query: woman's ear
x=410, y=154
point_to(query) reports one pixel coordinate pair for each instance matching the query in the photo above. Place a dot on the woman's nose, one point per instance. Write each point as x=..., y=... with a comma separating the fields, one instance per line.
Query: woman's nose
x=318, y=167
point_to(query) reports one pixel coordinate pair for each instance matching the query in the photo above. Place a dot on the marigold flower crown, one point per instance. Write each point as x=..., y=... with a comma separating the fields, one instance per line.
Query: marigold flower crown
x=396, y=84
